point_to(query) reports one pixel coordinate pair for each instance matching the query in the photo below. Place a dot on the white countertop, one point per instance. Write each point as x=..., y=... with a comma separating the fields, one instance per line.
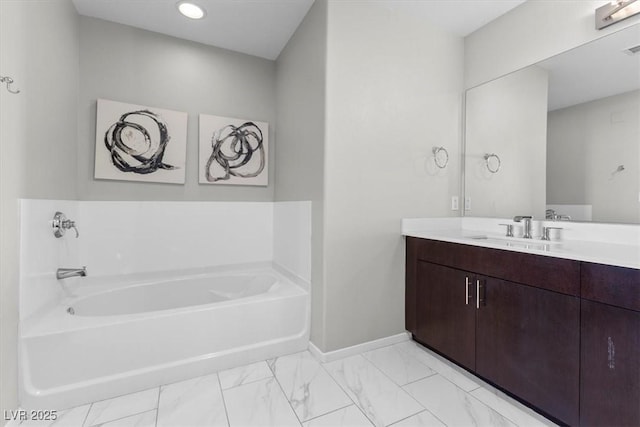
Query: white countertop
x=622, y=250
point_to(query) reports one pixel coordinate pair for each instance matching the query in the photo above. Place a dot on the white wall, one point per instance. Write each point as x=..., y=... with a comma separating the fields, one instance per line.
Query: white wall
x=507, y=117
x=394, y=86
x=126, y=64
x=299, y=172
x=292, y=238
x=597, y=136
x=531, y=32
x=39, y=50
x=127, y=238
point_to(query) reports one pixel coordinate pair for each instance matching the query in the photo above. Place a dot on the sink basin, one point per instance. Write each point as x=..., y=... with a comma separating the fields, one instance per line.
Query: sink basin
x=516, y=242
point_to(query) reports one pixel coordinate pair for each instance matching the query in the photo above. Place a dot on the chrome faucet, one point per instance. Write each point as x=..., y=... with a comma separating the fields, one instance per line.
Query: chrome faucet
x=527, y=225
x=65, y=273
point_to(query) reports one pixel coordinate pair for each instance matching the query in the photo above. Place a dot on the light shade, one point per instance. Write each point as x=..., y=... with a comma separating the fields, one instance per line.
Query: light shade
x=616, y=11
x=191, y=10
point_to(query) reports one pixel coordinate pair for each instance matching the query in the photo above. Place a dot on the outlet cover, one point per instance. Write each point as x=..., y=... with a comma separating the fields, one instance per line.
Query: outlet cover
x=454, y=203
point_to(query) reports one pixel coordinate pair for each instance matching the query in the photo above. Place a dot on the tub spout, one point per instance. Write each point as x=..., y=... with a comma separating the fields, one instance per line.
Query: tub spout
x=65, y=273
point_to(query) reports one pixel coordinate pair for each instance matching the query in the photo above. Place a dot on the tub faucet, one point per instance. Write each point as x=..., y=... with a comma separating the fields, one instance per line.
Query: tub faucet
x=527, y=225
x=65, y=273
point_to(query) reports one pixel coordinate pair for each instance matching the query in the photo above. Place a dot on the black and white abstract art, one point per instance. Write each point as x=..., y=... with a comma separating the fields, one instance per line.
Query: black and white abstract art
x=138, y=143
x=233, y=151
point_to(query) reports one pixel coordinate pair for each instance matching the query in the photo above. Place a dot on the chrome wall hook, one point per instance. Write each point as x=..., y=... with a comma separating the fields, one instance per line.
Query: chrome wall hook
x=492, y=165
x=9, y=81
x=440, y=157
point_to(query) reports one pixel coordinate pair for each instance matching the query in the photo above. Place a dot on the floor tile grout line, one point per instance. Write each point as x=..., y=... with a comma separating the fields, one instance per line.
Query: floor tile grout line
x=468, y=393
x=421, y=362
x=390, y=379
x=322, y=368
x=450, y=365
x=122, y=418
x=375, y=367
x=224, y=402
x=433, y=371
x=84, y=421
x=493, y=409
x=333, y=411
x=515, y=404
x=285, y=394
x=420, y=379
x=275, y=377
x=414, y=415
x=158, y=406
x=243, y=384
x=344, y=391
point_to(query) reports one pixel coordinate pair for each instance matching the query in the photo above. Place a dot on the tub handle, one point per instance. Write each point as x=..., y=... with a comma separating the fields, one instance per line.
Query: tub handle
x=61, y=224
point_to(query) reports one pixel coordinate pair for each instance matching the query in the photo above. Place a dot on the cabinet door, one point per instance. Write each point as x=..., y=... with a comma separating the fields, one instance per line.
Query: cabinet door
x=527, y=341
x=610, y=366
x=445, y=313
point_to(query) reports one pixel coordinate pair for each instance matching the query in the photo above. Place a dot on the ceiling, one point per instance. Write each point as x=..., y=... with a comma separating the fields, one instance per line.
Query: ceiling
x=263, y=27
x=594, y=70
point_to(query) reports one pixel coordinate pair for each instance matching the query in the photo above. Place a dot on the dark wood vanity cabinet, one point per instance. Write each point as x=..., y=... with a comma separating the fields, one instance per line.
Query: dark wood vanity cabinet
x=527, y=342
x=512, y=318
x=448, y=322
x=610, y=346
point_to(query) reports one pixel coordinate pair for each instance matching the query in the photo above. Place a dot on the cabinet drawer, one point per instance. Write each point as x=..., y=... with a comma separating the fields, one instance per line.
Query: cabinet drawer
x=554, y=274
x=617, y=286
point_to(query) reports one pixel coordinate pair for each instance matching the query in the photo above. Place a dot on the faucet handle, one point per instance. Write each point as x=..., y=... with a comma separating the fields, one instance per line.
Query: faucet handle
x=61, y=224
x=71, y=224
x=509, y=229
x=546, y=232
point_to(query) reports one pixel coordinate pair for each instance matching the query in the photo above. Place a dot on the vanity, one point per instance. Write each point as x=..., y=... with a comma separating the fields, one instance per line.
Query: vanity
x=555, y=324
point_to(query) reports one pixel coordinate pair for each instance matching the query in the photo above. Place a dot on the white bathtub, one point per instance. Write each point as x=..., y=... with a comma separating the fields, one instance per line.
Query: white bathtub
x=118, y=336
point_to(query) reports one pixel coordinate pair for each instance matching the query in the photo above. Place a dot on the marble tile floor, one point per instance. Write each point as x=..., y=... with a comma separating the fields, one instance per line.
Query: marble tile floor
x=399, y=385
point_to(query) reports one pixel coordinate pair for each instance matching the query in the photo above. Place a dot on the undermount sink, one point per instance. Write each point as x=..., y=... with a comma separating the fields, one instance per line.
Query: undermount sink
x=516, y=242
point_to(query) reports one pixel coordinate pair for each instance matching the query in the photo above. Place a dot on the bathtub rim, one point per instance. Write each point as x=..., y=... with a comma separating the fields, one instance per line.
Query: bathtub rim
x=54, y=318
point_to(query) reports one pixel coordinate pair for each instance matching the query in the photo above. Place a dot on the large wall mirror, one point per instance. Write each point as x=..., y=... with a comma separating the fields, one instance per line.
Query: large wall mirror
x=559, y=139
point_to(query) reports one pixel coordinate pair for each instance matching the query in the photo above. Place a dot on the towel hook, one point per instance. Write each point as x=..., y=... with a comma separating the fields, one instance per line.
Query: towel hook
x=440, y=162
x=496, y=167
x=9, y=81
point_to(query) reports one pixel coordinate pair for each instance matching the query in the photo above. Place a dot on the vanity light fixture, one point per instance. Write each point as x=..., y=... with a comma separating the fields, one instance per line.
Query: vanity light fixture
x=616, y=11
x=191, y=10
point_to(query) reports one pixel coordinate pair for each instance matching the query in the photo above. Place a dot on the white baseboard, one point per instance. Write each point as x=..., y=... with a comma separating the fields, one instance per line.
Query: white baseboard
x=330, y=356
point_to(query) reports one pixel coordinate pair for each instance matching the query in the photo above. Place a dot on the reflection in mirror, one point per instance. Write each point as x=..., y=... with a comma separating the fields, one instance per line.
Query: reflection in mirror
x=567, y=131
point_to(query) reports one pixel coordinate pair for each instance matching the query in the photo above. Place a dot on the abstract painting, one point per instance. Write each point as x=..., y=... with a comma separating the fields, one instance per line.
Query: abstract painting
x=138, y=143
x=233, y=151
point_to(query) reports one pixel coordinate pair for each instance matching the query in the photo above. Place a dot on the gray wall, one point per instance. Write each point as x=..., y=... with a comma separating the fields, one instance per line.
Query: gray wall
x=586, y=144
x=529, y=33
x=126, y=64
x=394, y=87
x=39, y=49
x=299, y=174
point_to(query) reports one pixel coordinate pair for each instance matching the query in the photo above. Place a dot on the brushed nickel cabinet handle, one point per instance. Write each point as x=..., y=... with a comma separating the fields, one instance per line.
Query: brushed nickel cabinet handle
x=466, y=290
x=478, y=294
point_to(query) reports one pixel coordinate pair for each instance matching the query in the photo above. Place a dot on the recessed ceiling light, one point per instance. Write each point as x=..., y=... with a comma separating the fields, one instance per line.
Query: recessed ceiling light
x=191, y=10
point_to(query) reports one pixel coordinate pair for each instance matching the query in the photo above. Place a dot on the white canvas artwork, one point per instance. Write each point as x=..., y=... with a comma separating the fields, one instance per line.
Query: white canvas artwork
x=139, y=143
x=233, y=151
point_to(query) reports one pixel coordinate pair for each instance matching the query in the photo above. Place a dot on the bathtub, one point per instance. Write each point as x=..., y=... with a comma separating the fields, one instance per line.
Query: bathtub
x=117, y=335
